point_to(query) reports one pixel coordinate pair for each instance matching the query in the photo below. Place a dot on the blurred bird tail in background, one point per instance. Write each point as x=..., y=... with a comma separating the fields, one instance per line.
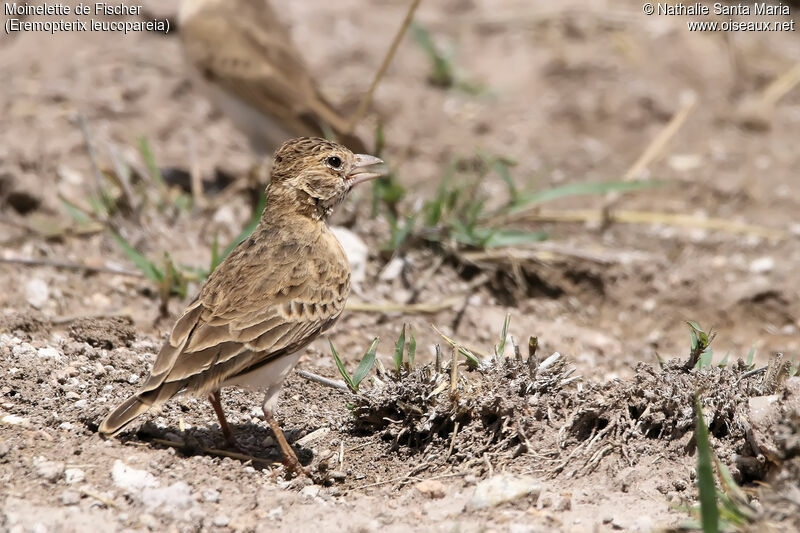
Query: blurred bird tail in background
x=247, y=63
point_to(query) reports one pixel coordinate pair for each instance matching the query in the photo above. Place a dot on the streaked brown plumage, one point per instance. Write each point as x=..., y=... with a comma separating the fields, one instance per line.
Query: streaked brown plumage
x=248, y=64
x=276, y=292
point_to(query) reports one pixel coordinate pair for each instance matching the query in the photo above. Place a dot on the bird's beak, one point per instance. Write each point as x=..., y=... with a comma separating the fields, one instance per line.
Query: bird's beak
x=367, y=168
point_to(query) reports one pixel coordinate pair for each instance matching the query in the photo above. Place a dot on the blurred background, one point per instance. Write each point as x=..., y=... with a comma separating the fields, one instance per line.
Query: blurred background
x=601, y=175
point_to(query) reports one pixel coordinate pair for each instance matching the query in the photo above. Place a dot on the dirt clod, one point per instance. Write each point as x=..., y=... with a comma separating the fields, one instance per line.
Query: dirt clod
x=107, y=333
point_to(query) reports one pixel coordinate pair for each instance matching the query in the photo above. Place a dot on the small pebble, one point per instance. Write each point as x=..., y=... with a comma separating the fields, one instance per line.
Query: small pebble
x=49, y=470
x=36, y=292
x=762, y=265
x=221, y=520
x=48, y=353
x=431, y=488
x=310, y=492
x=70, y=497
x=562, y=503
x=338, y=475
x=22, y=350
x=210, y=495
x=74, y=475
x=14, y=420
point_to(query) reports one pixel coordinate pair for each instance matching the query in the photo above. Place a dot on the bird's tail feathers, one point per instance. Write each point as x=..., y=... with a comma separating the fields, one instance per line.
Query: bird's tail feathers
x=136, y=405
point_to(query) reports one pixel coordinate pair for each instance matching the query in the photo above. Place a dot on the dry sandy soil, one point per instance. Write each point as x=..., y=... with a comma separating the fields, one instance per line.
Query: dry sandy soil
x=576, y=92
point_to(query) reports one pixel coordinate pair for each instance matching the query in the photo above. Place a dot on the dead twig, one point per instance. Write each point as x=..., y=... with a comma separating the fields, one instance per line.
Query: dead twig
x=335, y=384
x=656, y=147
x=367, y=99
x=99, y=497
x=649, y=217
x=454, y=369
x=452, y=441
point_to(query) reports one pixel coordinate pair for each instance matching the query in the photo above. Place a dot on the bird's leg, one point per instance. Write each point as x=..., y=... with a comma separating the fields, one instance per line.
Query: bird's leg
x=216, y=402
x=290, y=461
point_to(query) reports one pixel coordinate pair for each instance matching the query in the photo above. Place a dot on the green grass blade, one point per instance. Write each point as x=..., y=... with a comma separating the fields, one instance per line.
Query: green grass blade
x=398, y=349
x=400, y=232
x=75, y=214
x=578, y=189
x=412, y=347
x=342, y=369
x=147, y=267
x=441, y=68
x=366, y=363
x=724, y=362
x=150, y=161
x=215, y=259
x=503, y=335
x=709, y=513
x=750, y=356
x=248, y=229
x=500, y=167
x=705, y=358
x=472, y=359
x=510, y=237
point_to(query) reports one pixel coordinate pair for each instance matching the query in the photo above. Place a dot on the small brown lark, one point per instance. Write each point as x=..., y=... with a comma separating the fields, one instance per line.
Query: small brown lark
x=276, y=292
x=248, y=65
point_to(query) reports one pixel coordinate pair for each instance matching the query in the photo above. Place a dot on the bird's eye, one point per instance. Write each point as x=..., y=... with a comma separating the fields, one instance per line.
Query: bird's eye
x=334, y=162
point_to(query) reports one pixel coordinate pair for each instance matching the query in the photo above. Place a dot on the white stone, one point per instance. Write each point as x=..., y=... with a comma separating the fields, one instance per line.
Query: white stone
x=501, y=489
x=74, y=475
x=70, y=497
x=356, y=251
x=762, y=265
x=23, y=350
x=210, y=495
x=129, y=478
x=8, y=340
x=14, y=420
x=392, y=269
x=221, y=520
x=167, y=499
x=49, y=353
x=310, y=492
x=49, y=470
x=36, y=292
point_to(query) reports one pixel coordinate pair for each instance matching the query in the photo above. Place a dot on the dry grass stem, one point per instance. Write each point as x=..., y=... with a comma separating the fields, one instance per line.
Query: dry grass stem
x=367, y=98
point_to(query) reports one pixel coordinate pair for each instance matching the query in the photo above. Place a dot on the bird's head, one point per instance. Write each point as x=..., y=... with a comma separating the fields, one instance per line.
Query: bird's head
x=317, y=174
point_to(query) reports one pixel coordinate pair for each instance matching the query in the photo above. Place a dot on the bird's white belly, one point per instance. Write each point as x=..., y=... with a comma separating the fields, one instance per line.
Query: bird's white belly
x=268, y=376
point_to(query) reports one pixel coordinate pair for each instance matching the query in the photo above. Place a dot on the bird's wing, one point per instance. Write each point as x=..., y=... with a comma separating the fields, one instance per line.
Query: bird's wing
x=249, y=313
x=245, y=50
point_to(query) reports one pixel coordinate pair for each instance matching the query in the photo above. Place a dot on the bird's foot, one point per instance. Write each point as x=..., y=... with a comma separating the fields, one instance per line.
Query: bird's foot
x=233, y=445
x=292, y=466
